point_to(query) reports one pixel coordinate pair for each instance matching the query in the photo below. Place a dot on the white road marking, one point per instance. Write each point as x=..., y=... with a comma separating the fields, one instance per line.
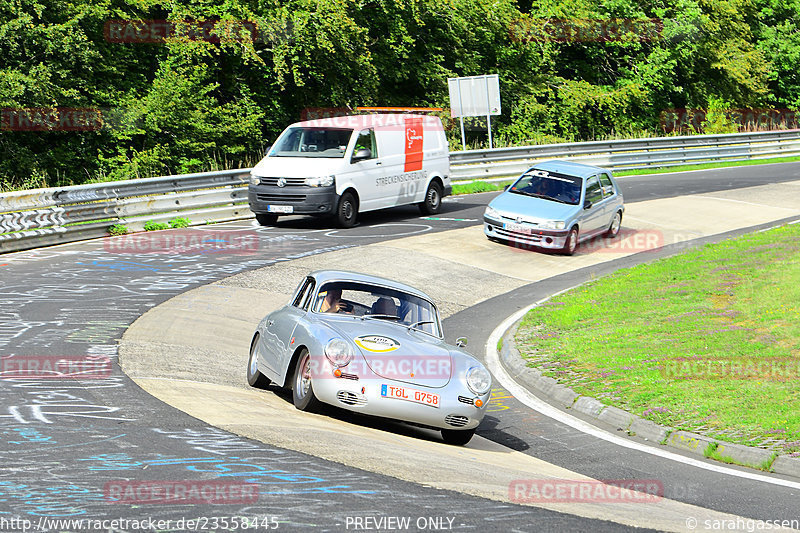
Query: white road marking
x=423, y=229
x=744, y=202
x=530, y=400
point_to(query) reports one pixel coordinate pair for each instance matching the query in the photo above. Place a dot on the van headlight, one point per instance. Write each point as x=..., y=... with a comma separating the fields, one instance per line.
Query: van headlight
x=552, y=224
x=491, y=212
x=324, y=181
x=338, y=352
x=479, y=380
x=255, y=180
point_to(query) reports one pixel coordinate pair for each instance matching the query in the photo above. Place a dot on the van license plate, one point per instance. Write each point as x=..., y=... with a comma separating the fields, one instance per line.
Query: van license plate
x=411, y=395
x=280, y=208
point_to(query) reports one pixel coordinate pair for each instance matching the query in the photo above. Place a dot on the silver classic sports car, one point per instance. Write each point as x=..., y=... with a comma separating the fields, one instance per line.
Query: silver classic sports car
x=372, y=346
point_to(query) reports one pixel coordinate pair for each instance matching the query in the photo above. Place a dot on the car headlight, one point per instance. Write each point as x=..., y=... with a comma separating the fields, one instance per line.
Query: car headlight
x=552, y=224
x=254, y=180
x=491, y=212
x=324, y=181
x=479, y=380
x=338, y=352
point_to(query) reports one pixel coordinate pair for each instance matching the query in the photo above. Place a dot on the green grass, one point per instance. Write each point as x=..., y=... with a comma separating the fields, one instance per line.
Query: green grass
x=705, y=166
x=640, y=339
x=479, y=186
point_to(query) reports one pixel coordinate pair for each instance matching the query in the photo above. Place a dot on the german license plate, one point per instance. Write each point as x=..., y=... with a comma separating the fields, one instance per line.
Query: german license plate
x=517, y=228
x=280, y=208
x=410, y=395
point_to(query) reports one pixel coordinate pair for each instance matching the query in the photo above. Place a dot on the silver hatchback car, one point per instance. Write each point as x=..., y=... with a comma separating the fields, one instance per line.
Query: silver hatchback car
x=556, y=205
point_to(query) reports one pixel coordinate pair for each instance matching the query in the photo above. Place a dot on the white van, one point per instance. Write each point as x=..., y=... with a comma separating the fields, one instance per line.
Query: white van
x=343, y=166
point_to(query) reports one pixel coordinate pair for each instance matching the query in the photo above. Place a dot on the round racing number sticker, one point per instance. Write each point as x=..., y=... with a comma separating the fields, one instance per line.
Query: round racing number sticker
x=377, y=343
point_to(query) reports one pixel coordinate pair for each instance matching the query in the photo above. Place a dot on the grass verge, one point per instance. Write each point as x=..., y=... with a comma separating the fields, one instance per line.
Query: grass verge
x=706, y=166
x=707, y=341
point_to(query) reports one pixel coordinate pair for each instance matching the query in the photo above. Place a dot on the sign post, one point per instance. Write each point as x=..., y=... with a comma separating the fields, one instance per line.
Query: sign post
x=474, y=96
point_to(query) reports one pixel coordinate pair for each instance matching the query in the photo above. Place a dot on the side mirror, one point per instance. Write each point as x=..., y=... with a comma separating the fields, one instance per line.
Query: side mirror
x=364, y=153
x=505, y=187
x=587, y=204
x=266, y=152
x=461, y=342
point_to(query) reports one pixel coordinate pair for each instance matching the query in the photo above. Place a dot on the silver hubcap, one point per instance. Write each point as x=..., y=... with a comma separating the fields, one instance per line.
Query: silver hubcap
x=303, y=378
x=347, y=209
x=573, y=241
x=253, y=362
x=615, y=224
x=433, y=198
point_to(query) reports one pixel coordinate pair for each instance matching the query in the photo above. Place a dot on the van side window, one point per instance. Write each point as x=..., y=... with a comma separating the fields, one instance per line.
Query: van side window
x=608, y=186
x=366, y=140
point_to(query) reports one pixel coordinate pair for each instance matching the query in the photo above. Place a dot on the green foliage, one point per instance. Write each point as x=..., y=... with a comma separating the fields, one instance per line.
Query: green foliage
x=179, y=222
x=118, y=229
x=718, y=118
x=151, y=225
x=187, y=105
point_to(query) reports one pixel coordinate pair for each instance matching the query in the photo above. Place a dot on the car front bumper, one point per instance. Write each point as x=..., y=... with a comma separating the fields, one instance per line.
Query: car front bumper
x=523, y=234
x=456, y=410
x=302, y=200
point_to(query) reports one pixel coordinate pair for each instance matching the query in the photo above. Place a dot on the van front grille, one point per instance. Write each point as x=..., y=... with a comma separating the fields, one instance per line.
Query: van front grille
x=283, y=198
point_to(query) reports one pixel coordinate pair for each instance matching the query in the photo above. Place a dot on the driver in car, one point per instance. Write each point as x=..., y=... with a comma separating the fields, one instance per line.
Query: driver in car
x=333, y=303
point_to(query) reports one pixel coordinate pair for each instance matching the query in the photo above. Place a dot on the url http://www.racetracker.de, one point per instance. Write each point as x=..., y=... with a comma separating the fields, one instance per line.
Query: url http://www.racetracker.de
x=200, y=523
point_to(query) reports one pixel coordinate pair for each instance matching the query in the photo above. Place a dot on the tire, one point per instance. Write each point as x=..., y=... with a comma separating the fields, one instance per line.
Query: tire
x=614, y=227
x=254, y=377
x=266, y=219
x=302, y=389
x=571, y=243
x=457, y=437
x=346, y=211
x=433, y=199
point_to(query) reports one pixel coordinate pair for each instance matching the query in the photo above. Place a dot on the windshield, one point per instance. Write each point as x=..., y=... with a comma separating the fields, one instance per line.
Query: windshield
x=550, y=186
x=377, y=303
x=312, y=142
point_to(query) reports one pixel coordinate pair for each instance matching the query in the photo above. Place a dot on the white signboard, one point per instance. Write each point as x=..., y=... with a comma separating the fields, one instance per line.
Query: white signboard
x=474, y=96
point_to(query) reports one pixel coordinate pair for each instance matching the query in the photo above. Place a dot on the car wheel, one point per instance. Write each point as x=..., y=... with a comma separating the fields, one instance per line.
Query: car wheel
x=457, y=437
x=302, y=389
x=616, y=224
x=254, y=377
x=347, y=211
x=571, y=243
x=266, y=219
x=433, y=199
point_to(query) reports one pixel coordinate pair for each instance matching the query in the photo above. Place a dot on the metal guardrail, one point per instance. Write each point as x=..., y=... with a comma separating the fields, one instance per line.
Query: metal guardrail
x=629, y=154
x=42, y=217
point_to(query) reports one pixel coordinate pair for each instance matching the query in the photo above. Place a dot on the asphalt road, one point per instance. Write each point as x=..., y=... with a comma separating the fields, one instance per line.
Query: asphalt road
x=65, y=444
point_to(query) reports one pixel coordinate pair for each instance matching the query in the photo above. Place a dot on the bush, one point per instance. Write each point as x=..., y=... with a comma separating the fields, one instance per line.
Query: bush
x=118, y=229
x=155, y=226
x=179, y=222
